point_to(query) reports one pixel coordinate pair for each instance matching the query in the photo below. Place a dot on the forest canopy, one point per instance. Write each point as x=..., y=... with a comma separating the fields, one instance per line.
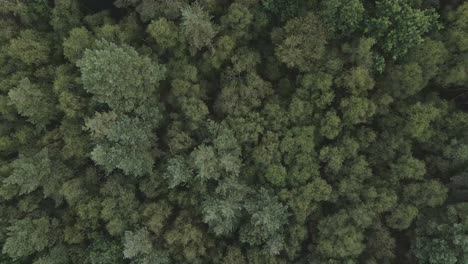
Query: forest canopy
x=234, y=131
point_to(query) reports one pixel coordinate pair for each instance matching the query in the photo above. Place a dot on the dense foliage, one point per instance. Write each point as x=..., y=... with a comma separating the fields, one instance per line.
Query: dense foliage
x=233, y=131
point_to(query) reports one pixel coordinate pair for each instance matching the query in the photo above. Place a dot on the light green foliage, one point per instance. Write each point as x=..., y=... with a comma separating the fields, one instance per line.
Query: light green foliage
x=398, y=27
x=223, y=212
x=431, y=193
x=358, y=81
x=223, y=48
x=266, y=224
x=276, y=175
x=164, y=32
x=122, y=143
x=26, y=237
x=194, y=110
x=407, y=167
x=178, y=172
x=38, y=170
x=339, y=239
x=458, y=27
x=220, y=159
x=156, y=216
x=204, y=158
x=34, y=102
x=197, y=27
x=137, y=244
x=456, y=36
x=301, y=43
x=76, y=43
x=118, y=206
x=244, y=60
x=239, y=96
x=361, y=52
x=419, y=121
x=237, y=21
x=266, y=152
x=330, y=126
x=305, y=199
x=356, y=109
x=119, y=76
x=316, y=88
x=298, y=149
x=30, y=48
x=247, y=129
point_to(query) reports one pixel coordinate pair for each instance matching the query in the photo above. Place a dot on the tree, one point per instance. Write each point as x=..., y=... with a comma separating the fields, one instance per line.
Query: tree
x=454, y=71
x=404, y=80
x=118, y=206
x=219, y=160
x=402, y=217
x=358, y=81
x=338, y=238
x=246, y=131
x=57, y=255
x=276, y=175
x=137, y=244
x=407, y=167
x=301, y=42
x=298, y=150
x=30, y=48
x=285, y=9
x=178, y=172
x=420, y=116
x=398, y=27
x=156, y=216
x=223, y=211
x=431, y=193
x=303, y=201
x=356, y=109
x=186, y=239
x=330, y=126
x=343, y=17
x=239, y=96
x=39, y=170
x=65, y=16
x=441, y=238
x=149, y=9
x=122, y=143
x=197, y=27
x=34, y=102
x=238, y=21
x=27, y=236
x=164, y=32
x=126, y=84
x=78, y=40
x=266, y=224
x=103, y=251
